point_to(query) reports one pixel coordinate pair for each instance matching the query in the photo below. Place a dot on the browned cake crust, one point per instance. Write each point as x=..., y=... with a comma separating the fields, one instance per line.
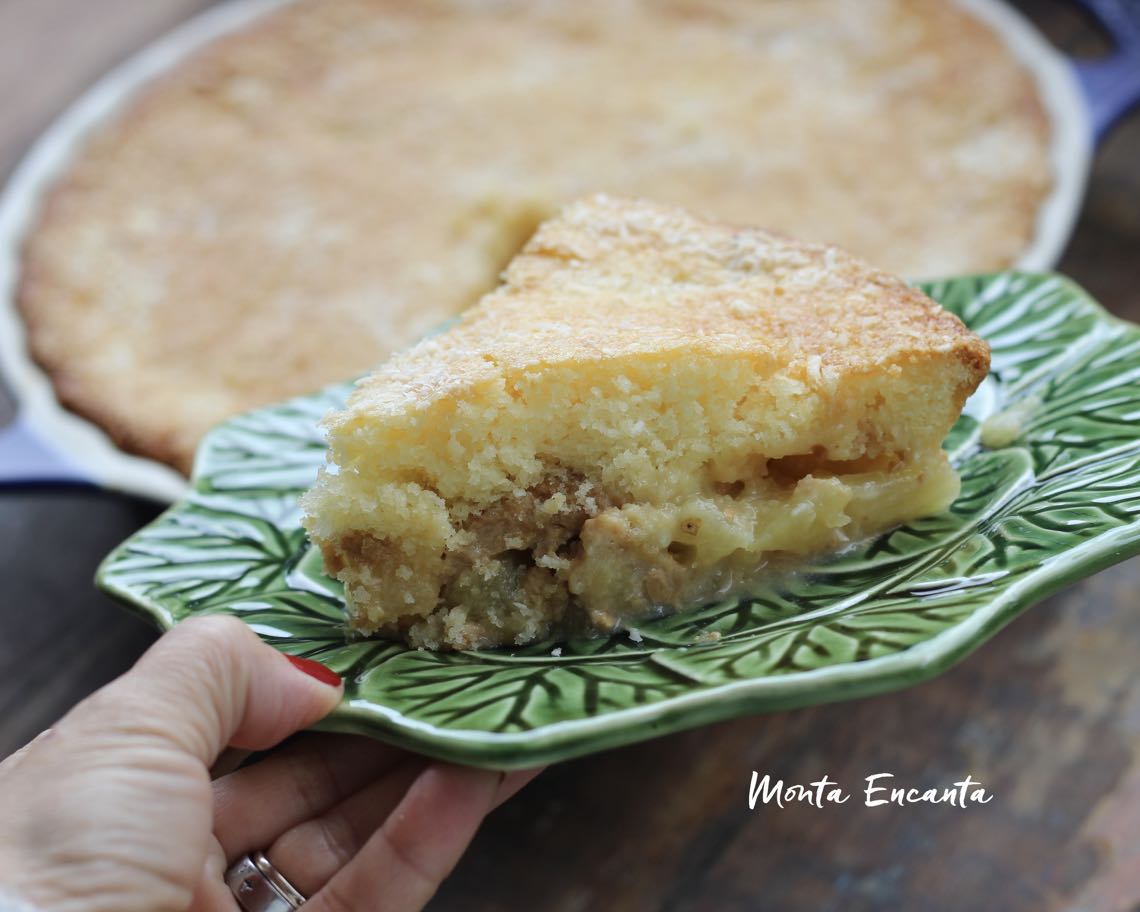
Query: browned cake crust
x=613, y=279
x=297, y=201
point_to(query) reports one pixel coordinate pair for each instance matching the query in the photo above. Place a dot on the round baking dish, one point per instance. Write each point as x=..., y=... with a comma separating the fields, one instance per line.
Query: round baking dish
x=47, y=444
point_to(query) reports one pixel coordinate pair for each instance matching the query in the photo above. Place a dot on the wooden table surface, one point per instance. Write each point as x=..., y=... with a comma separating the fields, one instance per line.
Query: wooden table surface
x=1046, y=715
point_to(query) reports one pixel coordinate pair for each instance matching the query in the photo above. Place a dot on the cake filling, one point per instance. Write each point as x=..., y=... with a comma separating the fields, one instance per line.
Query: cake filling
x=567, y=557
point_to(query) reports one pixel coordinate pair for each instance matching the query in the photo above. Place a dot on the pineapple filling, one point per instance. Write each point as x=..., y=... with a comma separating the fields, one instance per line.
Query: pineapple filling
x=568, y=558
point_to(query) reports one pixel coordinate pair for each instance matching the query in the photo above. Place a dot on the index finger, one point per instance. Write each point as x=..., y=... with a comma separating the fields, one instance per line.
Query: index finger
x=402, y=865
x=255, y=805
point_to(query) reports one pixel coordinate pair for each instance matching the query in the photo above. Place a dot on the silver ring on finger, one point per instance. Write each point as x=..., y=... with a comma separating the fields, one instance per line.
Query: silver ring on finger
x=259, y=887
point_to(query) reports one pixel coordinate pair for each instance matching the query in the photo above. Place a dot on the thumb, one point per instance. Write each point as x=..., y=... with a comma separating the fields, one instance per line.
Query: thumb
x=112, y=808
x=208, y=683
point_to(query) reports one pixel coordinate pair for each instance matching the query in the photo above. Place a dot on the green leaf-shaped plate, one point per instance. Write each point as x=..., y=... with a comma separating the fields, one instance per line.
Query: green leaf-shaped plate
x=1059, y=503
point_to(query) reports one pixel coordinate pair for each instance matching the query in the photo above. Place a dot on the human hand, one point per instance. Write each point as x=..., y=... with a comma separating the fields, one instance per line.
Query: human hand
x=113, y=808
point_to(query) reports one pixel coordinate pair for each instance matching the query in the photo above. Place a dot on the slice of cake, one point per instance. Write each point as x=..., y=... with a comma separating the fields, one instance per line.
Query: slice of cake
x=648, y=411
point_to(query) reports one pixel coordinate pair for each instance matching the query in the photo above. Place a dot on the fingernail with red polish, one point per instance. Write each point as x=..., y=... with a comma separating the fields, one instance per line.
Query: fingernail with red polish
x=322, y=673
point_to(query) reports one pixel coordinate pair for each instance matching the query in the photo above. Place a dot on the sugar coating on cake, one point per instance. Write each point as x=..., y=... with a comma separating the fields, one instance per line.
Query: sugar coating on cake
x=648, y=410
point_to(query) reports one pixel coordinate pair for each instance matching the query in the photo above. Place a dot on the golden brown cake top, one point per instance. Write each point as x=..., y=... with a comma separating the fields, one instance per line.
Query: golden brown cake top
x=301, y=199
x=612, y=280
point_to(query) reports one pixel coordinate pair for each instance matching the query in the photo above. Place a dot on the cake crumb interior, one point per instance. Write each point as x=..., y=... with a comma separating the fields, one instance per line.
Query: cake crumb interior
x=567, y=557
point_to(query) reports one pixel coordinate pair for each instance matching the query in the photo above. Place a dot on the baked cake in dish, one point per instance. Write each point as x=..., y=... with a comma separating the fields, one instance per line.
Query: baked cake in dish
x=297, y=201
x=647, y=410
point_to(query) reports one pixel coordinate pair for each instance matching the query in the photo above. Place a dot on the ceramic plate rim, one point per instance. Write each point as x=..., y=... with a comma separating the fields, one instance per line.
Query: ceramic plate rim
x=548, y=742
